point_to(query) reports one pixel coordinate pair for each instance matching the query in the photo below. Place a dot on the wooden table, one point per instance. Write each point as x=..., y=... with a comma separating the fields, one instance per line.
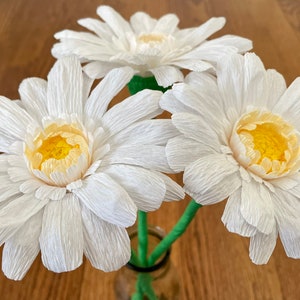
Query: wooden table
x=211, y=262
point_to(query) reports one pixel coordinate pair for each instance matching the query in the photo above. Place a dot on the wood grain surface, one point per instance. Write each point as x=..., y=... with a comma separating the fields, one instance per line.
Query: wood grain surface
x=212, y=263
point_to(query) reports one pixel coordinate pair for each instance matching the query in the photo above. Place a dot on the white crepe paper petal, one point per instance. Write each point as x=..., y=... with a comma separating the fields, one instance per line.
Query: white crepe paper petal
x=61, y=238
x=107, y=246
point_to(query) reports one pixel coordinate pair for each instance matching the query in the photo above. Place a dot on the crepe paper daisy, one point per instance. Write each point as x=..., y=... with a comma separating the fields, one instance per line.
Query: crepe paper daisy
x=74, y=173
x=149, y=46
x=240, y=140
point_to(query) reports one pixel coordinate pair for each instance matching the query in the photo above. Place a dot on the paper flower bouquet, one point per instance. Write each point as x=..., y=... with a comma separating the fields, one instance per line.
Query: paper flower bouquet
x=76, y=172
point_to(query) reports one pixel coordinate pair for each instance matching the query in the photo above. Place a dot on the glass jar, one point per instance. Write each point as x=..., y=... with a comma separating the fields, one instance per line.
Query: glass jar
x=159, y=281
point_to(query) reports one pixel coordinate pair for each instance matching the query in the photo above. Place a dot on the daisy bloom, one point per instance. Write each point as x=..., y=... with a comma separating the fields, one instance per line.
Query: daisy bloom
x=74, y=173
x=149, y=46
x=240, y=140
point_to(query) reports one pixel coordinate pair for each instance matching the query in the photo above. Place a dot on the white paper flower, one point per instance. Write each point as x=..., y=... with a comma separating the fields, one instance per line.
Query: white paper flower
x=148, y=45
x=240, y=140
x=73, y=172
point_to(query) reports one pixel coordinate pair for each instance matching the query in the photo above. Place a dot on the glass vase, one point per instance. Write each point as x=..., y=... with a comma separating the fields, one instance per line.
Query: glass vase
x=157, y=282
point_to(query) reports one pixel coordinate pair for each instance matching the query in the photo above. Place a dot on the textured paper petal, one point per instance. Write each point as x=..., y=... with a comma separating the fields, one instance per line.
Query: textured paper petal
x=288, y=105
x=276, y=88
x=182, y=151
x=151, y=157
x=21, y=250
x=106, y=246
x=153, y=132
x=201, y=33
x=14, y=121
x=167, y=24
x=233, y=219
x=98, y=69
x=50, y=192
x=201, y=177
x=98, y=27
x=146, y=189
x=19, y=210
x=262, y=246
x=167, y=75
x=173, y=190
x=135, y=108
x=257, y=206
x=116, y=22
x=108, y=200
x=287, y=217
x=101, y=96
x=61, y=238
x=33, y=92
x=142, y=23
x=64, y=93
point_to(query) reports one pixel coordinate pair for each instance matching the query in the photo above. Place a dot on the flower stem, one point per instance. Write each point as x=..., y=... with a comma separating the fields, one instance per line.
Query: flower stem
x=142, y=237
x=175, y=233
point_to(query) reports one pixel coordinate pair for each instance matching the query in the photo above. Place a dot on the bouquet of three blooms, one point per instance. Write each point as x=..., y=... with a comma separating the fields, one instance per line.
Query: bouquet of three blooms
x=75, y=173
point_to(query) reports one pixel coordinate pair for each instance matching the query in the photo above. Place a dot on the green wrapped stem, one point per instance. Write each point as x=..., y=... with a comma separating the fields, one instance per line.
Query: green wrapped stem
x=175, y=233
x=139, y=83
x=142, y=238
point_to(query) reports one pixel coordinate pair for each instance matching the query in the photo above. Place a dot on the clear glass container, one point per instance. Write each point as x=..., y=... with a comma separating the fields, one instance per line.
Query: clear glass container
x=157, y=282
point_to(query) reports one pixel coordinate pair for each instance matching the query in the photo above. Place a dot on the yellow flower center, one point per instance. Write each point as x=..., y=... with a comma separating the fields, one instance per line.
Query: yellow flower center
x=57, y=148
x=268, y=141
x=151, y=38
x=271, y=144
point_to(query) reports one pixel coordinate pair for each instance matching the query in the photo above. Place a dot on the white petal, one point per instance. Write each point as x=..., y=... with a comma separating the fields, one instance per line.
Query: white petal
x=198, y=35
x=107, y=246
x=262, y=246
x=277, y=87
x=257, y=206
x=151, y=157
x=203, y=98
x=192, y=64
x=173, y=190
x=61, y=238
x=98, y=69
x=107, y=199
x=194, y=127
x=233, y=219
x=288, y=105
x=167, y=24
x=65, y=84
x=21, y=250
x=202, y=180
x=287, y=217
x=116, y=22
x=231, y=82
x=157, y=132
x=7, y=188
x=109, y=86
x=170, y=103
x=17, y=174
x=142, y=23
x=20, y=210
x=137, y=107
x=33, y=92
x=146, y=189
x=182, y=151
x=50, y=192
x=30, y=185
x=255, y=86
x=100, y=28
x=13, y=121
x=167, y=75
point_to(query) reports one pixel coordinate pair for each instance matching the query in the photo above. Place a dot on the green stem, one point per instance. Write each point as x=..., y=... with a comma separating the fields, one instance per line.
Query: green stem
x=142, y=237
x=175, y=233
